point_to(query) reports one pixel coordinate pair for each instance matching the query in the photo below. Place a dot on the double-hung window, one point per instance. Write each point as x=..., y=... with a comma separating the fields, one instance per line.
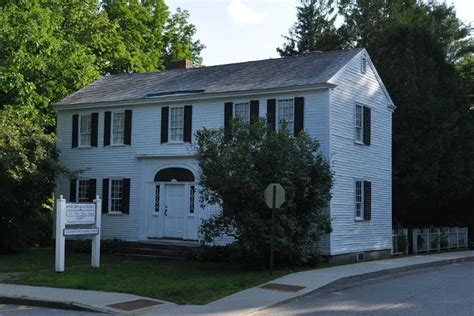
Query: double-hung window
x=359, y=200
x=116, y=195
x=242, y=111
x=286, y=113
x=85, y=130
x=83, y=188
x=118, y=127
x=358, y=123
x=176, y=124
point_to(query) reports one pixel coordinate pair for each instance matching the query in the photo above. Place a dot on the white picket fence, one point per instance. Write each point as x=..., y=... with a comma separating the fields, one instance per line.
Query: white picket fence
x=400, y=242
x=429, y=239
x=437, y=239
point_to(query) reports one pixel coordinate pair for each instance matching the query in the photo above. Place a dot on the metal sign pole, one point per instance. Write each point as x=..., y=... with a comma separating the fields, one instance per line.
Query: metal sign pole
x=273, y=229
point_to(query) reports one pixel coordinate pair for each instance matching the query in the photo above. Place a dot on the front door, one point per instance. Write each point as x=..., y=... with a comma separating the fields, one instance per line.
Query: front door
x=174, y=211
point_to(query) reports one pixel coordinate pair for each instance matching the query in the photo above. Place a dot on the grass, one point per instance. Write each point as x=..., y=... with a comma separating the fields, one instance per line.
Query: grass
x=182, y=282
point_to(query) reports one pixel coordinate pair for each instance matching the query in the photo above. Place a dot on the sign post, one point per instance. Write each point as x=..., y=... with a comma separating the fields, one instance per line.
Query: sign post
x=60, y=240
x=274, y=198
x=77, y=219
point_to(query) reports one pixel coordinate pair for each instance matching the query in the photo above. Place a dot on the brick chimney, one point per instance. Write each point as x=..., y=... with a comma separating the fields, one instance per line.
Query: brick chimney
x=180, y=64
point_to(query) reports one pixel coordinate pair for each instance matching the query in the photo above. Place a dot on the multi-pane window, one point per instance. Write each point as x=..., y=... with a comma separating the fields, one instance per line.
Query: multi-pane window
x=359, y=202
x=116, y=195
x=176, y=124
x=83, y=187
x=118, y=127
x=157, y=198
x=85, y=130
x=286, y=113
x=192, y=193
x=242, y=111
x=358, y=123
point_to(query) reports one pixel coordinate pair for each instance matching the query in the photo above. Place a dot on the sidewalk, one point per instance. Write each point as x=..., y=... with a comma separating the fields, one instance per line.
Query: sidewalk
x=245, y=302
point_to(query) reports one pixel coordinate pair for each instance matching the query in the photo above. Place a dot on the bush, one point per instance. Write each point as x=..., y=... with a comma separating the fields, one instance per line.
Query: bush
x=238, y=164
x=28, y=168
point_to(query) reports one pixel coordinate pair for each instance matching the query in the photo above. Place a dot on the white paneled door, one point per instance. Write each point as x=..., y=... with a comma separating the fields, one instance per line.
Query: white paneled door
x=174, y=211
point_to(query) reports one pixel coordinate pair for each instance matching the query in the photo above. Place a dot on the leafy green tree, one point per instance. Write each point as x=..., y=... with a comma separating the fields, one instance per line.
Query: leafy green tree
x=48, y=50
x=237, y=167
x=178, y=39
x=28, y=167
x=38, y=66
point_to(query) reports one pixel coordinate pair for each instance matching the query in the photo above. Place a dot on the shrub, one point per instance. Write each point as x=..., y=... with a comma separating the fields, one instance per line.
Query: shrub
x=238, y=164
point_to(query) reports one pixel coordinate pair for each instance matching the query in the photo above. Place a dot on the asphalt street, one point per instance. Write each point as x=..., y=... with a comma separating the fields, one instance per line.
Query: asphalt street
x=446, y=290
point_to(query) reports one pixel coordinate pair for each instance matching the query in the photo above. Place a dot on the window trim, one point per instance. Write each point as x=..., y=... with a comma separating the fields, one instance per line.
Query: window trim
x=112, y=129
x=361, y=217
x=109, y=211
x=361, y=140
x=249, y=114
x=169, y=125
x=78, y=187
x=277, y=112
x=79, y=133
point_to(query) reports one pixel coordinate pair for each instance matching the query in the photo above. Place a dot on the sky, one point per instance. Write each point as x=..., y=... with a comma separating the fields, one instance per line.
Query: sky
x=242, y=30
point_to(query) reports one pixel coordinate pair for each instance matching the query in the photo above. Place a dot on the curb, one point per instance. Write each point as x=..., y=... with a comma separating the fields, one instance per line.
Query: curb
x=344, y=282
x=71, y=306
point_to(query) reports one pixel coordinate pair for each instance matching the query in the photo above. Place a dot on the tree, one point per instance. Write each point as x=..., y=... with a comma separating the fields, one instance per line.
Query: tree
x=28, y=167
x=48, y=50
x=237, y=165
x=420, y=51
x=314, y=29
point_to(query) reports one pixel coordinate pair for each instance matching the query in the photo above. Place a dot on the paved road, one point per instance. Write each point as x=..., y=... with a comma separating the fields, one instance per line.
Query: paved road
x=444, y=291
x=23, y=310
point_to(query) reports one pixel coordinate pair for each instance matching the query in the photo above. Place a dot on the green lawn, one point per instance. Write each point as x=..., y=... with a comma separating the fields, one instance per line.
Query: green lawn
x=182, y=282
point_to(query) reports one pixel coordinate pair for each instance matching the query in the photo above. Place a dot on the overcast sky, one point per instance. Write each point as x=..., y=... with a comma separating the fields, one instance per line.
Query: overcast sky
x=241, y=30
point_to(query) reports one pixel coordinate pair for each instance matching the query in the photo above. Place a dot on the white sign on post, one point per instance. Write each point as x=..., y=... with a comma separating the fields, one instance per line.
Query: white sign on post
x=75, y=219
x=80, y=214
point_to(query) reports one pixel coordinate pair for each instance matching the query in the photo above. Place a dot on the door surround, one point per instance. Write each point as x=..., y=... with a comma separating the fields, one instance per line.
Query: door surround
x=164, y=178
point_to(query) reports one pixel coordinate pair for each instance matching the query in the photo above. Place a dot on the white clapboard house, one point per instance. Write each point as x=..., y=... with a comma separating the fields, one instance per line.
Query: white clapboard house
x=131, y=137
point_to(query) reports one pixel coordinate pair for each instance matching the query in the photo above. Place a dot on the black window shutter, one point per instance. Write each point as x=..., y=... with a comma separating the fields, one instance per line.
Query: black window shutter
x=271, y=114
x=94, y=128
x=107, y=121
x=254, y=109
x=75, y=130
x=367, y=200
x=72, y=190
x=105, y=196
x=92, y=189
x=227, y=114
x=126, y=196
x=164, y=124
x=188, y=123
x=127, y=136
x=299, y=115
x=367, y=127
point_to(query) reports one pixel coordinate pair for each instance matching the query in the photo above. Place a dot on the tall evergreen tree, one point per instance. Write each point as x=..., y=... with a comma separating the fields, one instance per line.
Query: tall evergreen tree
x=313, y=30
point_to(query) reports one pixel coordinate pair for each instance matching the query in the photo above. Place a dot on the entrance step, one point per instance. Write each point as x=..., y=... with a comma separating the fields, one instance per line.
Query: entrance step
x=157, y=249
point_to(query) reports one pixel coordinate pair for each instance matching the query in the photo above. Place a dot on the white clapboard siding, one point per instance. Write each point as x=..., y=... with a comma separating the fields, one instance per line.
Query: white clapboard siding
x=146, y=154
x=350, y=161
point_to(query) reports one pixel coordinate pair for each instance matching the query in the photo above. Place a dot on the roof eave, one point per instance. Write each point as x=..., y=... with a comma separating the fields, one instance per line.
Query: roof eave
x=193, y=97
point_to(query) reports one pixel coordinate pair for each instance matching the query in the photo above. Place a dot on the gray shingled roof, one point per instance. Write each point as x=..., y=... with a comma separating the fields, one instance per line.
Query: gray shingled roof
x=302, y=70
